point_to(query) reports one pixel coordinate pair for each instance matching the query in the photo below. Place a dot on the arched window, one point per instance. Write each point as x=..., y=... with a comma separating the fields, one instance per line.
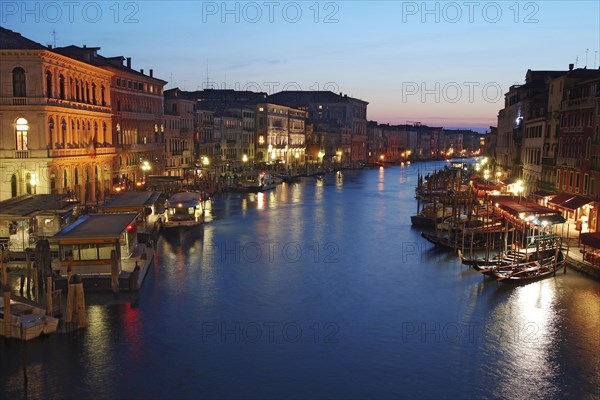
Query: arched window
x=28, y=183
x=48, y=84
x=102, y=98
x=93, y=93
x=76, y=177
x=63, y=132
x=61, y=86
x=19, y=86
x=51, y=130
x=65, y=181
x=588, y=148
x=13, y=185
x=21, y=134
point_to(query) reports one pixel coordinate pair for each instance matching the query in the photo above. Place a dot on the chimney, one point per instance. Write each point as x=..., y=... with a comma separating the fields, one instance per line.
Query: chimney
x=151, y=72
x=50, y=46
x=571, y=67
x=128, y=62
x=84, y=46
x=142, y=71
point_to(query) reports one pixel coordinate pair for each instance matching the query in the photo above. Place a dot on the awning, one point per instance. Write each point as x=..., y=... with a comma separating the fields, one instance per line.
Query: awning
x=549, y=219
x=517, y=208
x=542, y=193
x=559, y=199
x=575, y=202
x=591, y=239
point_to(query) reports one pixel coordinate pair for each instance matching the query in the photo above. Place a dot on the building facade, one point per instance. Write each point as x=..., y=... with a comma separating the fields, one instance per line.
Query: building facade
x=55, y=122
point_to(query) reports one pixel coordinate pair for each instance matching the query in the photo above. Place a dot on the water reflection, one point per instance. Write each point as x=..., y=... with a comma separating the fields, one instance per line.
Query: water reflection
x=345, y=256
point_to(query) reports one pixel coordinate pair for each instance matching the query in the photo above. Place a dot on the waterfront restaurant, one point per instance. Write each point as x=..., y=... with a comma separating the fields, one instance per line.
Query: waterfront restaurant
x=87, y=244
x=25, y=218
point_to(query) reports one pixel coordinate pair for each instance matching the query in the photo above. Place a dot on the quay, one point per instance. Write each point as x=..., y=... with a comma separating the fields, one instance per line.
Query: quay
x=463, y=210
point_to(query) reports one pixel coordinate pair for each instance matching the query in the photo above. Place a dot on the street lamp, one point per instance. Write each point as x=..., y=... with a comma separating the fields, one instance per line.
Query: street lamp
x=146, y=167
x=244, y=160
x=34, y=182
x=320, y=157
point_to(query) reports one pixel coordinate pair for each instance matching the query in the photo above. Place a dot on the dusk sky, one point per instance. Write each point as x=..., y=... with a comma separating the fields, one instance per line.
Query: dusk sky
x=439, y=63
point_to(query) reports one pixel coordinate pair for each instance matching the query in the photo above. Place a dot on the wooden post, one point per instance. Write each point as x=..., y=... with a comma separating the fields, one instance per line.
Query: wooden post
x=49, y=296
x=28, y=271
x=114, y=272
x=7, y=313
x=80, y=304
x=70, y=301
x=2, y=271
x=36, y=284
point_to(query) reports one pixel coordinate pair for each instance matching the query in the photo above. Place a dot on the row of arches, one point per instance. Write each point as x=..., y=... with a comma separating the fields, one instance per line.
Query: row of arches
x=572, y=147
x=64, y=86
x=86, y=182
x=77, y=132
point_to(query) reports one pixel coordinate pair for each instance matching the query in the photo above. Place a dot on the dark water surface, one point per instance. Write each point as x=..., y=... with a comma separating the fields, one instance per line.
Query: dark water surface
x=321, y=289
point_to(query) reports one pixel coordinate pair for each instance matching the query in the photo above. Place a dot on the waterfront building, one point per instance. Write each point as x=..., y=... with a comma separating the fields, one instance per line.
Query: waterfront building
x=179, y=133
x=246, y=140
x=228, y=128
x=577, y=165
x=137, y=114
x=56, y=128
x=207, y=148
x=376, y=143
x=280, y=134
x=342, y=119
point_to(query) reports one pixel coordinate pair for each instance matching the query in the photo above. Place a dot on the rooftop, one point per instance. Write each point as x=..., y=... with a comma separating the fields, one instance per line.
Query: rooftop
x=132, y=200
x=30, y=205
x=97, y=226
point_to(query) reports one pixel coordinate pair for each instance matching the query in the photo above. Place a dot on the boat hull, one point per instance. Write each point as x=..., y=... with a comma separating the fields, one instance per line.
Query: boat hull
x=28, y=322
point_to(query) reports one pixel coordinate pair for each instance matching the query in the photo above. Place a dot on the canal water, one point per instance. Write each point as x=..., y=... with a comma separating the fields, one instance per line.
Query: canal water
x=320, y=289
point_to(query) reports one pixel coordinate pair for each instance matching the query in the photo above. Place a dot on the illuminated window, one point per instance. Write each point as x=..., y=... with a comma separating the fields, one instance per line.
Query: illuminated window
x=22, y=128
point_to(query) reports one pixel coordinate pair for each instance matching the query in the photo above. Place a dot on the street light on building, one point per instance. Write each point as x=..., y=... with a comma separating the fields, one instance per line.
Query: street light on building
x=34, y=182
x=321, y=154
x=146, y=167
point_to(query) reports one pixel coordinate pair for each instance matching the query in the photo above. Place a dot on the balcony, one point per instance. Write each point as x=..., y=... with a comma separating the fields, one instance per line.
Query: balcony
x=549, y=161
x=569, y=162
x=143, y=146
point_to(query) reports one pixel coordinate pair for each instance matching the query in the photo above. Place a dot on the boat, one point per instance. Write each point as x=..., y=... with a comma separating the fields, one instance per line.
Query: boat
x=427, y=217
x=533, y=270
x=445, y=242
x=184, y=209
x=287, y=178
x=27, y=321
x=257, y=182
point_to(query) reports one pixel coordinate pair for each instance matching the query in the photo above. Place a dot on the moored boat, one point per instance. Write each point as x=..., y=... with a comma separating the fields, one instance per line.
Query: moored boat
x=532, y=270
x=27, y=321
x=184, y=209
x=257, y=182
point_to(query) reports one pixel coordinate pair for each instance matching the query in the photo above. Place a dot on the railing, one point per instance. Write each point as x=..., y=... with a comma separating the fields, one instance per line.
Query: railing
x=22, y=154
x=19, y=101
x=569, y=162
x=549, y=161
